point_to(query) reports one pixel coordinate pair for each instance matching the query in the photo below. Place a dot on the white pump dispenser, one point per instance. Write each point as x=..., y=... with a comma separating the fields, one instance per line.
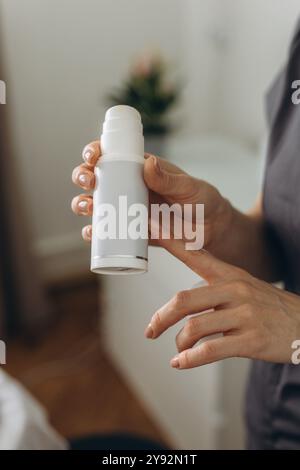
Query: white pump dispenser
x=119, y=191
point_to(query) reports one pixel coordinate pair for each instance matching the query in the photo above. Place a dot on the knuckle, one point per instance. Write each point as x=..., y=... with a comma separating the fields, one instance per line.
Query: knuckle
x=181, y=299
x=248, y=310
x=189, y=186
x=241, y=287
x=191, y=327
x=240, y=273
x=185, y=359
x=156, y=320
x=208, y=350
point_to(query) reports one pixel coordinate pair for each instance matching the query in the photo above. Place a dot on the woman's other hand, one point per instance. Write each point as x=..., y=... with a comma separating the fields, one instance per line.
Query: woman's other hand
x=256, y=319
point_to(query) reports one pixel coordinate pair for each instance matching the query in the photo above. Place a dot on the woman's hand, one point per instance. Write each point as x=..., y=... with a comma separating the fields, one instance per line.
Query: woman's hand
x=167, y=184
x=256, y=320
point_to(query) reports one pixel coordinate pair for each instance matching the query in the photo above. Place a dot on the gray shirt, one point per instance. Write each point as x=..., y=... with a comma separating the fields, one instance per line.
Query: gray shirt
x=273, y=395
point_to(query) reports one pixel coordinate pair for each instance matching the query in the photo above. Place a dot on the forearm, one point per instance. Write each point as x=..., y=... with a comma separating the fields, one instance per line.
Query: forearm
x=246, y=242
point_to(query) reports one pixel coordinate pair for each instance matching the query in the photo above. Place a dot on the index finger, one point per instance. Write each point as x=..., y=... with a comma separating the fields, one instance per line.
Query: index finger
x=91, y=153
x=185, y=303
x=200, y=261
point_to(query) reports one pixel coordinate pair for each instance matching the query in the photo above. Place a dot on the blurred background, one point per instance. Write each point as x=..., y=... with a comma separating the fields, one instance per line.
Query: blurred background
x=198, y=70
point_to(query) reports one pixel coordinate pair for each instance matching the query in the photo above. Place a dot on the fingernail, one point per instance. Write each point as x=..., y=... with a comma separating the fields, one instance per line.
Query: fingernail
x=87, y=233
x=149, y=333
x=88, y=155
x=83, y=207
x=84, y=180
x=175, y=362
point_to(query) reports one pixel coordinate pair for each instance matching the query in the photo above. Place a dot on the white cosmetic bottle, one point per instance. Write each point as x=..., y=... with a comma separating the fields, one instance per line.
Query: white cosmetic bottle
x=120, y=193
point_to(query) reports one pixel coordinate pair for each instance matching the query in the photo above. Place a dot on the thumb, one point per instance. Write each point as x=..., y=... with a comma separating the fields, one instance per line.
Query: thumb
x=167, y=179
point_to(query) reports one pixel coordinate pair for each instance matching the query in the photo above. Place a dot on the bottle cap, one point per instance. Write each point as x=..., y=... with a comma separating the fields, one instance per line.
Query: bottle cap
x=122, y=135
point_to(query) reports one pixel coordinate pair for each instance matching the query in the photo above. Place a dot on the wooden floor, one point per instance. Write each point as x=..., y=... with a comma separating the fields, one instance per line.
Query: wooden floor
x=68, y=372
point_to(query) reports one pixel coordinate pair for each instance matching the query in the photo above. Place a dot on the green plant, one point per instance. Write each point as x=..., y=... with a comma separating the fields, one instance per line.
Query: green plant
x=147, y=90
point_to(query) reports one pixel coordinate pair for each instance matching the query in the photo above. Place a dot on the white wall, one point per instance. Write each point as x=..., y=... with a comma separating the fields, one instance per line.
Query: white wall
x=259, y=33
x=233, y=49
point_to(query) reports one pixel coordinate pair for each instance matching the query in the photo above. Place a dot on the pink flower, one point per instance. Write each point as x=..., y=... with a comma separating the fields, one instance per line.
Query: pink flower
x=144, y=66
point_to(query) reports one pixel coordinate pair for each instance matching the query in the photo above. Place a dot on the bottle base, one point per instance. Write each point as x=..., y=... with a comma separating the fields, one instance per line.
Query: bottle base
x=125, y=264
